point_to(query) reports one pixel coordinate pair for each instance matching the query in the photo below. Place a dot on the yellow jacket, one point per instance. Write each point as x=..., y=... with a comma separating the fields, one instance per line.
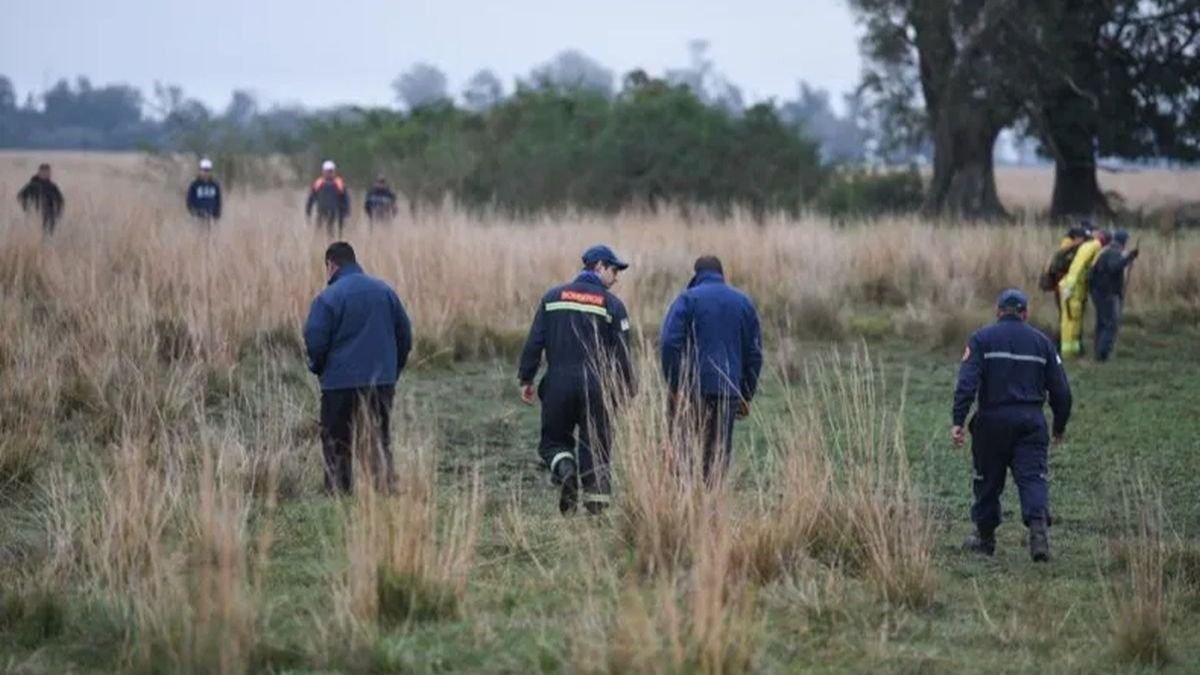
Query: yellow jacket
x=1077, y=276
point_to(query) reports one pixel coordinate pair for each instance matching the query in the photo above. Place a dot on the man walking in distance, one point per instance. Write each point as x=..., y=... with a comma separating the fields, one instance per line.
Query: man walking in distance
x=1108, y=291
x=42, y=196
x=358, y=337
x=329, y=196
x=583, y=329
x=1011, y=368
x=711, y=359
x=204, y=194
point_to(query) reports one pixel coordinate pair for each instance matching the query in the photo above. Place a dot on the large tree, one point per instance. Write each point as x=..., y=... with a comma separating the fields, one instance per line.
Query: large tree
x=940, y=56
x=1111, y=78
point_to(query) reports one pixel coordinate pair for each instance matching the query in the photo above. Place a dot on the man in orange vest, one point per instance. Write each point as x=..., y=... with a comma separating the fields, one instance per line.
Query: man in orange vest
x=329, y=195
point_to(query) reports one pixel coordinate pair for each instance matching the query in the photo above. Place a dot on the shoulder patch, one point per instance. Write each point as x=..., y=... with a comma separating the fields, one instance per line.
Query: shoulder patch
x=582, y=298
x=624, y=324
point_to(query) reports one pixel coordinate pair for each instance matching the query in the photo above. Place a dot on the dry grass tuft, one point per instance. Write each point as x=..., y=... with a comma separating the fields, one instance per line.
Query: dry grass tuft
x=1139, y=601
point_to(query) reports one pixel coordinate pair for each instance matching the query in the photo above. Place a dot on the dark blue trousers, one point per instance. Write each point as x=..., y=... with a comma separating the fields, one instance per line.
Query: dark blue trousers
x=1108, y=318
x=1011, y=438
x=575, y=423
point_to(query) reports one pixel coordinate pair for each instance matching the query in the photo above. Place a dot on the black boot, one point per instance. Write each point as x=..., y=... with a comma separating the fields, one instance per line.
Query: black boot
x=567, y=476
x=981, y=543
x=1039, y=541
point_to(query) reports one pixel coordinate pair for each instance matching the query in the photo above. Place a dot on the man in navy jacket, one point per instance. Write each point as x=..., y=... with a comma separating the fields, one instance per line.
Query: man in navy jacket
x=1010, y=369
x=712, y=358
x=358, y=337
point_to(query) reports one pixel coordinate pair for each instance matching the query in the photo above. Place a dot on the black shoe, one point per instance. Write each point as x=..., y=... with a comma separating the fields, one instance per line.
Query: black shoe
x=1039, y=541
x=595, y=504
x=566, y=476
x=978, y=543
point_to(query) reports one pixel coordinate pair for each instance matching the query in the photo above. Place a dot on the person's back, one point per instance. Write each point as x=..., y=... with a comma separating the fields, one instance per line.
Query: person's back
x=716, y=328
x=364, y=321
x=1015, y=356
x=579, y=335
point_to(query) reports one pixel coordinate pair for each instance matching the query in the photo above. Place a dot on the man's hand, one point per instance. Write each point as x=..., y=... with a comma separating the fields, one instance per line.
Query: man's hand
x=1058, y=438
x=1133, y=255
x=743, y=410
x=958, y=436
x=528, y=393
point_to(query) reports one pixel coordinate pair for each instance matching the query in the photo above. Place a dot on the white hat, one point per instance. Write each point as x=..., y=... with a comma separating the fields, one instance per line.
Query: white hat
x=328, y=165
x=206, y=164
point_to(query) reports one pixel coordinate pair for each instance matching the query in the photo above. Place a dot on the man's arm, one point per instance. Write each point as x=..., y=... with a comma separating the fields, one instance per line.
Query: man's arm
x=318, y=334
x=404, y=334
x=969, y=373
x=531, y=355
x=1059, y=390
x=192, y=204
x=752, y=353
x=344, y=200
x=673, y=341
x=621, y=328
x=312, y=199
x=217, y=206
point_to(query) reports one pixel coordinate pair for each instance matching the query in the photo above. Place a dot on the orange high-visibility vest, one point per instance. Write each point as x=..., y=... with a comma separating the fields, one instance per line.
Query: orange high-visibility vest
x=337, y=183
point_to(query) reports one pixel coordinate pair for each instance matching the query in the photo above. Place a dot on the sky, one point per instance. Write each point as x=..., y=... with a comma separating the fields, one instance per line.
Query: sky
x=328, y=52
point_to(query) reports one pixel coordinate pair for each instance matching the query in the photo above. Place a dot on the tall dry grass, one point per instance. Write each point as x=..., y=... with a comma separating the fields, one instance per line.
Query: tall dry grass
x=1139, y=599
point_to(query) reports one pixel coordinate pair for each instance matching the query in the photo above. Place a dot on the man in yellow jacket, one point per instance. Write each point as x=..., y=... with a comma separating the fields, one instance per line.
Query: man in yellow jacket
x=1072, y=294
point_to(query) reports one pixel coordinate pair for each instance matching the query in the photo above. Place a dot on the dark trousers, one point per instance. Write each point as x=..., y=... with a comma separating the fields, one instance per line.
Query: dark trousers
x=1011, y=438
x=356, y=420
x=1108, y=320
x=575, y=424
x=709, y=422
x=329, y=220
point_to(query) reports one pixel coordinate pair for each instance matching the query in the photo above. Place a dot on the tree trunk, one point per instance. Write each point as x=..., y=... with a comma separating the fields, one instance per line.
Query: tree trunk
x=1077, y=192
x=964, y=179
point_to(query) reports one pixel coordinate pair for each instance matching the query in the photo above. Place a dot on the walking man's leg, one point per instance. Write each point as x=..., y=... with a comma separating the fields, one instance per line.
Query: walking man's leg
x=337, y=411
x=560, y=416
x=990, y=453
x=379, y=409
x=595, y=438
x=719, y=414
x=1031, y=474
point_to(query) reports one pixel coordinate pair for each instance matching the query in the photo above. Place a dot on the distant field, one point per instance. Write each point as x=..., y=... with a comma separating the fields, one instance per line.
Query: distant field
x=159, y=464
x=1027, y=188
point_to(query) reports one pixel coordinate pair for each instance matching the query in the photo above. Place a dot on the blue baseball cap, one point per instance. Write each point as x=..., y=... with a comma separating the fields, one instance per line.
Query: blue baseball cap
x=1121, y=236
x=603, y=254
x=1012, y=298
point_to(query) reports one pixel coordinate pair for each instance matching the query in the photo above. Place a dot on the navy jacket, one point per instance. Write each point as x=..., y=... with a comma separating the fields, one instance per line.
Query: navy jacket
x=380, y=203
x=329, y=197
x=1011, y=363
x=204, y=199
x=1108, y=272
x=579, y=326
x=712, y=329
x=42, y=196
x=357, y=333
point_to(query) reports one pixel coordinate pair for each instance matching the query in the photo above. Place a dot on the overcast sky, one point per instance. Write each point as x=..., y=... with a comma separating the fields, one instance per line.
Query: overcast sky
x=321, y=52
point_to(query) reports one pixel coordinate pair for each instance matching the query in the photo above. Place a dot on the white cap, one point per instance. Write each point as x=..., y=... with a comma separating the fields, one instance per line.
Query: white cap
x=328, y=166
x=206, y=164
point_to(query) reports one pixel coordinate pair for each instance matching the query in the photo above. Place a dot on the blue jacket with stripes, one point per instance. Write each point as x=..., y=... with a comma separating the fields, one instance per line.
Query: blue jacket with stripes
x=583, y=329
x=1011, y=363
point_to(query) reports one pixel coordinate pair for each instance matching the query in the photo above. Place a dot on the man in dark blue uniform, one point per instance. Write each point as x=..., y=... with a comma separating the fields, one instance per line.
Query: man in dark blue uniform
x=711, y=359
x=1107, y=286
x=1011, y=368
x=583, y=330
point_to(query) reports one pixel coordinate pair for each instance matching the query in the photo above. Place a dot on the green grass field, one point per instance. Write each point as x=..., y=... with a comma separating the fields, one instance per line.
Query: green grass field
x=526, y=610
